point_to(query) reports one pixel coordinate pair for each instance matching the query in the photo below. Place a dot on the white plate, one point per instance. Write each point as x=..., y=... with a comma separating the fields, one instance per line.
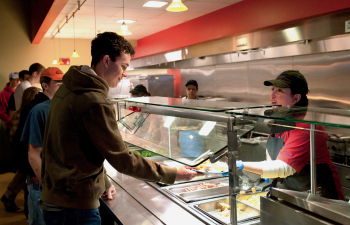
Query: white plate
x=210, y=172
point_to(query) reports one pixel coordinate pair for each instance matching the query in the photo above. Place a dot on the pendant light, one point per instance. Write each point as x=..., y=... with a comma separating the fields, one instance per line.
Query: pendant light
x=60, y=62
x=176, y=6
x=75, y=53
x=124, y=28
x=54, y=62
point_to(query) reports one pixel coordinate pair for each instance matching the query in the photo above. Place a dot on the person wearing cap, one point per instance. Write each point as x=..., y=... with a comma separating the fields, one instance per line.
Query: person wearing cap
x=5, y=95
x=139, y=91
x=50, y=80
x=34, y=76
x=23, y=75
x=288, y=149
x=82, y=132
x=191, y=90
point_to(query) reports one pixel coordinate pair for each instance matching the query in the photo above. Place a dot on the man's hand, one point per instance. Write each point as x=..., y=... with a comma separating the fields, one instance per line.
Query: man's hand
x=109, y=193
x=185, y=174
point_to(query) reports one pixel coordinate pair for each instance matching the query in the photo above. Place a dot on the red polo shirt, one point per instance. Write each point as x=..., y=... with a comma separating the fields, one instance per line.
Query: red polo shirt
x=4, y=102
x=296, y=151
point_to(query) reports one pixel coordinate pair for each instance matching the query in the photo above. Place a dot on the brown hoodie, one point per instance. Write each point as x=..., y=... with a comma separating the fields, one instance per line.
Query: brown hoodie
x=82, y=132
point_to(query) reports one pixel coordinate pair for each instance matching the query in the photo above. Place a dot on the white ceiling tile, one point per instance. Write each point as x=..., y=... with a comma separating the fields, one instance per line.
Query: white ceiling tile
x=156, y=22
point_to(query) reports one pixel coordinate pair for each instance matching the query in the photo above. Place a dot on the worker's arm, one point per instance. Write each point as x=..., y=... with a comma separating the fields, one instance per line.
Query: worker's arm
x=34, y=157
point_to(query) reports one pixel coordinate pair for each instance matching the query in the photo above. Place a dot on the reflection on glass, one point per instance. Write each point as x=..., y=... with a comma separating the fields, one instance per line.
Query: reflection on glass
x=187, y=141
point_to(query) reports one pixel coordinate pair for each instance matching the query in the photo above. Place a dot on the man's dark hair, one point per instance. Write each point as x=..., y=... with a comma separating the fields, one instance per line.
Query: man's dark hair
x=22, y=73
x=46, y=80
x=36, y=67
x=111, y=44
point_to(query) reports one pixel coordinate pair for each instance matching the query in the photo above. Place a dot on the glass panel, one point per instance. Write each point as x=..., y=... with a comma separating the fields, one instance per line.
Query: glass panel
x=203, y=105
x=187, y=141
x=318, y=116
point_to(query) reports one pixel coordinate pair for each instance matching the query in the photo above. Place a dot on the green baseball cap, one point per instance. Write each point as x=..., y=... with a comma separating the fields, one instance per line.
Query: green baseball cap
x=290, y=79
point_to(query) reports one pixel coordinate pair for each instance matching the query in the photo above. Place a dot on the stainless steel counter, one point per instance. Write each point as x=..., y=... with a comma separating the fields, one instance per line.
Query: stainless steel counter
x=138, y=202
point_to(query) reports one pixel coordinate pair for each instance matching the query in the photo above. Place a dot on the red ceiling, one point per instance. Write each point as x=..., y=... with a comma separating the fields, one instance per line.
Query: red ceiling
x=242, y=17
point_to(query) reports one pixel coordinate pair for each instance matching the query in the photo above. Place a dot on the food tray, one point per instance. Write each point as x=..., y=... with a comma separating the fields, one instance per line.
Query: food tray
x=211, y=209
x=247, y=197
x=179, y=190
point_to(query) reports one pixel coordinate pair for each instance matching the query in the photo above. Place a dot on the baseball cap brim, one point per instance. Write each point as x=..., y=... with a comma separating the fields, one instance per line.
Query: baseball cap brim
x=277, y=83
x=135, y=92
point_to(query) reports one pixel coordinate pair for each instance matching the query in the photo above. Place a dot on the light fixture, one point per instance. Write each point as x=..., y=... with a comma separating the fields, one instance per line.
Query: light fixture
x=154, y=4
x=126, y=21
x=75, y=53
x=124, y=28
x=176, y=6
x=54, y=62
x=60, y=62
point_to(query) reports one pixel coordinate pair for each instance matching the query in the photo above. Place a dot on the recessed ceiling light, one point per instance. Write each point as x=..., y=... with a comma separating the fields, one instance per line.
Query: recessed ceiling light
x=126, y=21
x=154, y=4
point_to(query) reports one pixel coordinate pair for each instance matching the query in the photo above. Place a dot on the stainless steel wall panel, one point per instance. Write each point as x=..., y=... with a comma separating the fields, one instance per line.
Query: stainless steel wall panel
x=231, y=82
x=328, y=76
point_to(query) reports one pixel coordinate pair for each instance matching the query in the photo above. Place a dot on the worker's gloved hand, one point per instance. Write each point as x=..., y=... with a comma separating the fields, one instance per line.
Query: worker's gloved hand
x=239, y=164
x=267, y=180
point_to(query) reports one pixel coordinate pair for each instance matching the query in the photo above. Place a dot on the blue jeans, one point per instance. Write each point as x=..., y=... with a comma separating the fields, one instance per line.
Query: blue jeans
x=73, y=216
x=35, y=213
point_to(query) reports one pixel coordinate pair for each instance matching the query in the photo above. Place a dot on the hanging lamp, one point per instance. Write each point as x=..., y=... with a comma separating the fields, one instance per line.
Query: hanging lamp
x=75, y=53
x=54, y=62
x=124, y=28
x=176, y=6
x=60, y=62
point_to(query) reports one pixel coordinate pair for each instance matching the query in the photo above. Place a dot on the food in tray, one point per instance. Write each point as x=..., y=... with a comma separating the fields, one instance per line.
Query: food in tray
x=241, y=215
x=254, y=201
x=203, y=186
x=212, y=167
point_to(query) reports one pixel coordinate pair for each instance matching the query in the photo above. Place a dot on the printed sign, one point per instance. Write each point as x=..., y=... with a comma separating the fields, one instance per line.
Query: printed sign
x=347, y=26
x=64, y=61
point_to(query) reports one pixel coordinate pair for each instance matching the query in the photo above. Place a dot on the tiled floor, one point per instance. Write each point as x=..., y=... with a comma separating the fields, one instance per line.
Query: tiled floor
x=7, y=218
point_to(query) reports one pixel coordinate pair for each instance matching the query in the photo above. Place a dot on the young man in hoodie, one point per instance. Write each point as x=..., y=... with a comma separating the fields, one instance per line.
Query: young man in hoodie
x=81, y=132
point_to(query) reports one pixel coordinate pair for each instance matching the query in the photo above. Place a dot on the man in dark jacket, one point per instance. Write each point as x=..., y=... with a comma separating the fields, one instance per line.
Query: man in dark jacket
x=81, y=132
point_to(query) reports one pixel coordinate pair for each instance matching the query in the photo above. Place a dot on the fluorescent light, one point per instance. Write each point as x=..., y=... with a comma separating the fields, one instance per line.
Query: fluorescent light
x=126, y=21
x=208, y=126
x=154, y=4
x=169, y=120
x=173, y=56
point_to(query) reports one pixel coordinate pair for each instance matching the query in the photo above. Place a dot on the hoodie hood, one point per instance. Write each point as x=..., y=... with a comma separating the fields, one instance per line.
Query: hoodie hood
x=83, y=78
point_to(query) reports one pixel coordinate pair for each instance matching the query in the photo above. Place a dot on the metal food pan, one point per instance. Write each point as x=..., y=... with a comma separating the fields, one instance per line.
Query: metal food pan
x=246, y=197
x=213, y=207
x=179, y=190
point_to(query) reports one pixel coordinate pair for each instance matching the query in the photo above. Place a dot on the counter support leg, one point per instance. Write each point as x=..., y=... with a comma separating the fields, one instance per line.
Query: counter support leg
x=233, y=179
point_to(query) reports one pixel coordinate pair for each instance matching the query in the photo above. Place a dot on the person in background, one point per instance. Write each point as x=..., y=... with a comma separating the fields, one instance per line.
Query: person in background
x=81, y=132
x=34, y=77
x=191, y=90
x=18, y=181
x=138, y=91
x=23, y=75
x=32, y=135
x=5, y=95
x=288, y=149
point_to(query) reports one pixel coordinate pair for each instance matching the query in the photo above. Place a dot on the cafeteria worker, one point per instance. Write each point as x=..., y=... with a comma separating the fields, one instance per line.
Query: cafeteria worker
x=288, y=150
